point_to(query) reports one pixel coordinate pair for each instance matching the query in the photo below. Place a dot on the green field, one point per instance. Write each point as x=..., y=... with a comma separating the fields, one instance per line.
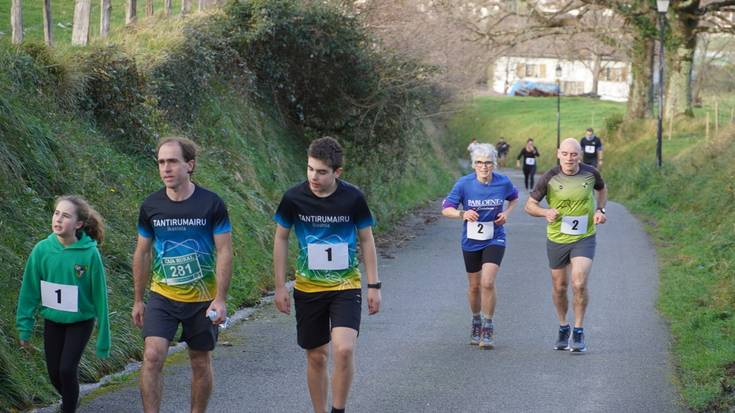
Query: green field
x=686, y=207
x=62, y=12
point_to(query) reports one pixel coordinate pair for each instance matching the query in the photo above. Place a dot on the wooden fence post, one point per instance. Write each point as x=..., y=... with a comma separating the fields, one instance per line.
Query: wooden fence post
x=185, y=7
x=168, y=7
x=149, y=8
x=16, y=21
x=48, y=24
x=706, y=129
x=105, y=11
x=131, y=12
x=80, y=29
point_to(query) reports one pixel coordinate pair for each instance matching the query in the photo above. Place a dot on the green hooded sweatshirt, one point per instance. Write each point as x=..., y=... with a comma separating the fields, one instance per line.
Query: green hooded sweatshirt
x=69, y=285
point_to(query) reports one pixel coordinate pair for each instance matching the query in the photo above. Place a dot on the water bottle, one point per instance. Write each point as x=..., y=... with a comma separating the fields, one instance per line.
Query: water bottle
x=212, y=314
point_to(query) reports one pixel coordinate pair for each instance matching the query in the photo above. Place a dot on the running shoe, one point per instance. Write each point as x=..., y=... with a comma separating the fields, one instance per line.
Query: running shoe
x=476, y=329
x=562, y=343
x=486, y=337
x=578, y=345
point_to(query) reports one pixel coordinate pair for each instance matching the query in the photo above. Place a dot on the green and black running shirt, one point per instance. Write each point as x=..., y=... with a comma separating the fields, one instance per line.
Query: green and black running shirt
x=326, y=229
x=573, y=197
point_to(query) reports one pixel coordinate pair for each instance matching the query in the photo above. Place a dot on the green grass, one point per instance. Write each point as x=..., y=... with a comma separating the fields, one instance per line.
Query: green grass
x=687, y=208
x=519, y=118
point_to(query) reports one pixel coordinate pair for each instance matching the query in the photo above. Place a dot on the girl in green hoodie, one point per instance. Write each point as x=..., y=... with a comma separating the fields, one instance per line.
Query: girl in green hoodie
x=65, y=278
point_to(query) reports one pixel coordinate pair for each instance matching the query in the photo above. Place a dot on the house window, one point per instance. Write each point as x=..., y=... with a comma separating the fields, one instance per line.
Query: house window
x=614, y=74
x=569, y=87
x=531, y=70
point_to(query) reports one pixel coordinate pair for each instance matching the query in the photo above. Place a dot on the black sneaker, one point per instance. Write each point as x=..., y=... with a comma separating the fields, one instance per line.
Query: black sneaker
x=562, y=343
x=578, y=344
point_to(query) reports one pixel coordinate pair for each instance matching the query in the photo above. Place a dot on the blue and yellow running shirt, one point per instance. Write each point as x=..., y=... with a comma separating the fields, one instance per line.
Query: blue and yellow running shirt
x=326, y=229
x=184, y=253
x=573, y=197
x=487, y=200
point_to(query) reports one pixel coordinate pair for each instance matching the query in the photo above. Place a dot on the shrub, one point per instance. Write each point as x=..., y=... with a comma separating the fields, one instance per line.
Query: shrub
x=115, y=96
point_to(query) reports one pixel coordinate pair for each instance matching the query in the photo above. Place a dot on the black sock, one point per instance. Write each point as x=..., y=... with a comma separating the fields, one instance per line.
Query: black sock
x=578, y=330
x=565, y=328
x=336, y=410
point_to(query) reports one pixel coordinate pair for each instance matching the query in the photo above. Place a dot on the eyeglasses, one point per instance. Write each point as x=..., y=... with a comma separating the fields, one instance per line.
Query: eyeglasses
x=484, y=163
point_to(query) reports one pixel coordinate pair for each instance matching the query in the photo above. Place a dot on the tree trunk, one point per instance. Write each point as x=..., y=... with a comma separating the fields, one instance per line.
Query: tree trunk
x=168, y=6
x=149, y=8
x=185, y=7
x=131, y=14
x=201, y=5
x=105, y=11
x=48, y=24
x=640, y=97
x=80, y=29
x=16, y=21
x=596, y=68
x=680, y=63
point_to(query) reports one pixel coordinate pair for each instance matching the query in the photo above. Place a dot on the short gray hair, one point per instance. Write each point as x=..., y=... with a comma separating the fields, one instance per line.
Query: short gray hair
x=485, y=150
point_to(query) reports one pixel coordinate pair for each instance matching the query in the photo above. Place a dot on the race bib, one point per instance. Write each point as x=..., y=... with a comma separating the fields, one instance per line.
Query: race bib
x=530, y=161
x=328, y=256
x=480, y=231
x=574, y=225
x=183, y=269
x=589, y=148
x=60, y=297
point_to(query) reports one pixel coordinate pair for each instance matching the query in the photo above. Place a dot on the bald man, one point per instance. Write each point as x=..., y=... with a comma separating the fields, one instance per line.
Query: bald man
x=570, y=189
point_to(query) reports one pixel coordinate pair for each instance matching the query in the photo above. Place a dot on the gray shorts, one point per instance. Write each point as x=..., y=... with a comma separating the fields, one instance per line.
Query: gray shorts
x=560, y=255
x=163, y=315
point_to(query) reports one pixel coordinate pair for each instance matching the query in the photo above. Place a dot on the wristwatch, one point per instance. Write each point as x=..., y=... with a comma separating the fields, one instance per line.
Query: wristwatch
x=602, y=210
x=377, y=285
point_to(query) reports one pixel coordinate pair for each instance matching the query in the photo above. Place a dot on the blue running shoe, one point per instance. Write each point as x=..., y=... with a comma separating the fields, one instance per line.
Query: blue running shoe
x=562, y=343
x=578, y=344
x=476, y=331
x=486, y=337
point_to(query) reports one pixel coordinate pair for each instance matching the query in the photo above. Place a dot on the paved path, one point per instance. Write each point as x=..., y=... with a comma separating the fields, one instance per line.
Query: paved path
x=414, y=356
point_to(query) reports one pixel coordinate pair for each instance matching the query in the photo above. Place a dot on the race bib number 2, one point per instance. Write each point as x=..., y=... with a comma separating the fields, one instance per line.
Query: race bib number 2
x=183, y=269
x=480, y=231
x=60, y=297
x=574, y=225
x=328, y=256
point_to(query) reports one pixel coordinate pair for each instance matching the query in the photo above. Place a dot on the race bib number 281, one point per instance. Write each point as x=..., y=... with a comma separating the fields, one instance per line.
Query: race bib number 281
x=182, y=269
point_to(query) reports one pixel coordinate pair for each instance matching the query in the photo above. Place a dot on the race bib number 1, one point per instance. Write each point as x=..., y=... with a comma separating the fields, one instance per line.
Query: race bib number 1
x=183, y=269
x=574, y=225
x=530, y=161
x=60, y=297
x=590, y=148
x=480, y=231
x=328, y=256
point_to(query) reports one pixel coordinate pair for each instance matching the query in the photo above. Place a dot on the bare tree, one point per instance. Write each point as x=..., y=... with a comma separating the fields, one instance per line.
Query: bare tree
x=48, y=34
x=105, y=11
x=16, y=21
x=80, y=29
x=131, y=12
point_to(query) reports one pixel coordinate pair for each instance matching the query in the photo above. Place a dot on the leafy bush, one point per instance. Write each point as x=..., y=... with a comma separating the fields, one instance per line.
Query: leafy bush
x=115, y=96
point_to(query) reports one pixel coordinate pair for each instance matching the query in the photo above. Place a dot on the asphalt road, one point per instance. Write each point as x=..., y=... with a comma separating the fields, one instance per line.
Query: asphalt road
x=414, y=356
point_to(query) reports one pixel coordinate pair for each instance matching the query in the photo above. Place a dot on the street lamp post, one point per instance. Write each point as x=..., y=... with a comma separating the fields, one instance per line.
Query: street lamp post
x=662, y=6
x=558, y=104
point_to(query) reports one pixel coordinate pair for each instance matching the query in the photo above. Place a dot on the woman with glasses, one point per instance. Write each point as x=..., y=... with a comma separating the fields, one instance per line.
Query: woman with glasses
x=482, y=196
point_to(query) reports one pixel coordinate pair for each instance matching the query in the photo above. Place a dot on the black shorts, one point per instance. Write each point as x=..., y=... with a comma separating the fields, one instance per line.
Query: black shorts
x=317, y=313
x=162, y=317
x=473, y=260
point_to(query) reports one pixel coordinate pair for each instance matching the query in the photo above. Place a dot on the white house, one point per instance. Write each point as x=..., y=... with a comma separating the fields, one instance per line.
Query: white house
x=576, y=75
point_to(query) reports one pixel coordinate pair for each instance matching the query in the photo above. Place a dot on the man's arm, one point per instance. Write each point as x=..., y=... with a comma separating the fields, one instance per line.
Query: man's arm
x=534, y=209
x=280, y=261
x=370, y=259
x=599, y=217
x=223, y=244
x=141, y=273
